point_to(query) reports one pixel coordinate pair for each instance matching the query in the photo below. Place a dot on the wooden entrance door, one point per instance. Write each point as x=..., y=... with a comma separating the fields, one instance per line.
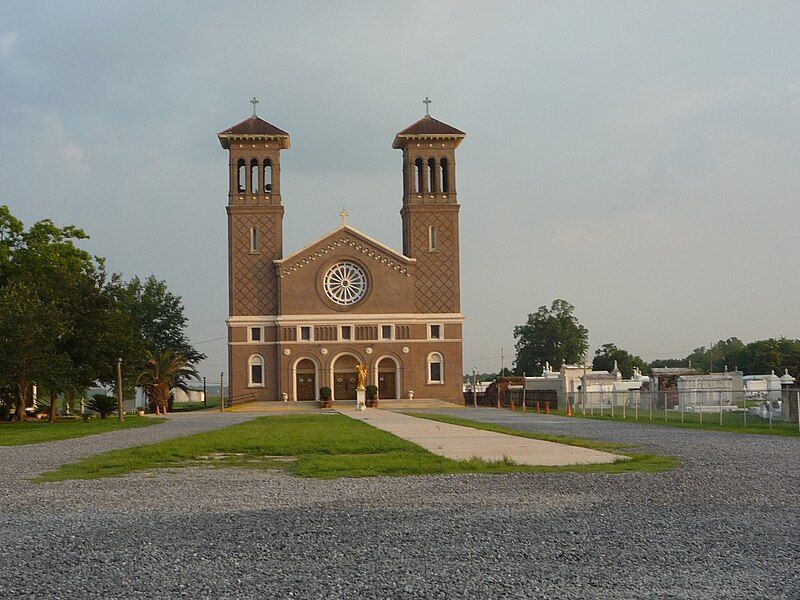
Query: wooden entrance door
x=305, y=380
x=345, y=378
x=306, y=386
x=387, y=379
x=387, y=385
x=344, y=385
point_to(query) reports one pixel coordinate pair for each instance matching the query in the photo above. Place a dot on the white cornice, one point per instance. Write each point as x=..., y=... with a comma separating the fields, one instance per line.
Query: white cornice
x=386, y=255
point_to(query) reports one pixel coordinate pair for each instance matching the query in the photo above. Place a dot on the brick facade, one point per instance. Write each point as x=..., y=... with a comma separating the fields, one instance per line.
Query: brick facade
x=287, y=333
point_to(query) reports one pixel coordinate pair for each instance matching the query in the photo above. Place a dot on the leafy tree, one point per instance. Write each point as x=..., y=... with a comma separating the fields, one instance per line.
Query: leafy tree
x=765, y=356
x=164, y=372
x=29, y=329
x=668, y=362
x=755, y=358
x=63, y=325
x=730, y=352
x=607, y=354
x=10, y=238
x=69, y=281
x=157, y=313
x=551, y=335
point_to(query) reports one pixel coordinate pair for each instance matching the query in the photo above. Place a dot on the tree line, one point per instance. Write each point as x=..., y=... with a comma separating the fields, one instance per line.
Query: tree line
x=64, y=320
x=554, y=335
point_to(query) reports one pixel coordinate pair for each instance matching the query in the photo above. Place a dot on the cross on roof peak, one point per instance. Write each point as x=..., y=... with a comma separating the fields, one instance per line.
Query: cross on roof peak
x=344, y=214
x=427, y=103
x=254, y=101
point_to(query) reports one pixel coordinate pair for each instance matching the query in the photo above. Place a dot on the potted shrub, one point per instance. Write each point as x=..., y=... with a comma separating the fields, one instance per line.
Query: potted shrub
x=372, y=395
x=325, y=397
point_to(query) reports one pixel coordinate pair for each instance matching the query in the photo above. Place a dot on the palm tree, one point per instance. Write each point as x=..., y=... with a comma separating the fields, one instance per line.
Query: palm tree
x=164, y=372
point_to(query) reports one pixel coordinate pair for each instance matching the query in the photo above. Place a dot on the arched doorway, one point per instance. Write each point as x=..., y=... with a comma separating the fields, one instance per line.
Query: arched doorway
x=305, y=380
x=388, y=378
x=345, y=377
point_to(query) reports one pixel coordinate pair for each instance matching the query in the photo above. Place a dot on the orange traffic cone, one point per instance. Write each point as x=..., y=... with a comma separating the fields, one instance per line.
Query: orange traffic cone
x=569, y=409
x=536, y=406
x=547, y=408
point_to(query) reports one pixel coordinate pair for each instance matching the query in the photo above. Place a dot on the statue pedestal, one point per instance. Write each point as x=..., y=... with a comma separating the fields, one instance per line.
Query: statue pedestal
x=361, y=399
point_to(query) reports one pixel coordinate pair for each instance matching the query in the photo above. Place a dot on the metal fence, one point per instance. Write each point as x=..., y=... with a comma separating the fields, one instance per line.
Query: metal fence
x=701, y=405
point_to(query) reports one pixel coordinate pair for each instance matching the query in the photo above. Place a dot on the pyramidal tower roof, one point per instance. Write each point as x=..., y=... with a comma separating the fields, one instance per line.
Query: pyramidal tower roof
x=429, y=128
x=253, y=128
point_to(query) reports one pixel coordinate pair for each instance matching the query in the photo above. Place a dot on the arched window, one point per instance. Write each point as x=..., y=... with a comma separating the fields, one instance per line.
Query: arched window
x=435, y=368
x=241, y=174
x=445, y=174
x=255, y=371
x=267, y=176
x=254, y=176
x=420, y=175
x=254, y=239
x=432, y=183
x=433, y=238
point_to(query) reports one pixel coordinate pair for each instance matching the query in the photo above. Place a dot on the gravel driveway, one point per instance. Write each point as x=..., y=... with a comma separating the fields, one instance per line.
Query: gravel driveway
x=724, y=525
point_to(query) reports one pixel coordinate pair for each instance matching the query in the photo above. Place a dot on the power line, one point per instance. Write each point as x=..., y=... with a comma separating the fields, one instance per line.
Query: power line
x=224, y=337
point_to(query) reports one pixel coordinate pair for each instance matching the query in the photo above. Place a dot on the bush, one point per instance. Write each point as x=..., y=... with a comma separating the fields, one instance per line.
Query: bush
x=372, y=391
x=5, y=411
x=100, y=403
x=325, y=393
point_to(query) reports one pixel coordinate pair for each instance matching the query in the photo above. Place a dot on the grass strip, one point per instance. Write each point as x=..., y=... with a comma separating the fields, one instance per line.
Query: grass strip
x=37, y=432
x=731, y=422
x=320, y=446
x=180, y=407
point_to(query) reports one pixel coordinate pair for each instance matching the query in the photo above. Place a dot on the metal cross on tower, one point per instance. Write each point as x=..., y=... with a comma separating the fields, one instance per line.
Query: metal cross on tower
x=254, y=101
x=427, y=103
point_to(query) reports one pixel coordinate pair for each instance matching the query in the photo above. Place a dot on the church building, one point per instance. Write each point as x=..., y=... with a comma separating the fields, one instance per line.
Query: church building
x=304, y=321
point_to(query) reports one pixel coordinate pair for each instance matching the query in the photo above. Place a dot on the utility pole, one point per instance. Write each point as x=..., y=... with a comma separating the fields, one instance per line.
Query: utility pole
x=502, y=361
x=475, y=387
x=120, y=401
x=205, y=396
x=710, y=357
x=221, y=394
x=583, y=384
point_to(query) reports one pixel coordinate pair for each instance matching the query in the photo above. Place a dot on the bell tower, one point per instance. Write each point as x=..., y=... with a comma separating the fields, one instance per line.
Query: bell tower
x=430, y=211
x=255, y=214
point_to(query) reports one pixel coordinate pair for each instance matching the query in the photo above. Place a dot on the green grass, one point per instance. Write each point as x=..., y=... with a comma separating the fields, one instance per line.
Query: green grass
x=637, y=462
x=731, y=422
x=213, y=402
x=321, y=446
x=36, y=432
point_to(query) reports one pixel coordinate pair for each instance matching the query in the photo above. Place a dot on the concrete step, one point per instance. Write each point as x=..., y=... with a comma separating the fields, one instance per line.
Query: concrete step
x=406, y=404
x=277, y=406
x=311, y=406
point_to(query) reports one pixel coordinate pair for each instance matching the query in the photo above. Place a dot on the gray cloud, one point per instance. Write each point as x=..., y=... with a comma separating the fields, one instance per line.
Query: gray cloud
x=637, y=159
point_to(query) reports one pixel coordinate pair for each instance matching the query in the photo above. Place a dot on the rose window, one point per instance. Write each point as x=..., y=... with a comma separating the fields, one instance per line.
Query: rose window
x=345, y=283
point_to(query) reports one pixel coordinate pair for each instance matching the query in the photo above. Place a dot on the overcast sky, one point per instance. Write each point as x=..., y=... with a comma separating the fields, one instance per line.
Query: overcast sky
x=640, y=160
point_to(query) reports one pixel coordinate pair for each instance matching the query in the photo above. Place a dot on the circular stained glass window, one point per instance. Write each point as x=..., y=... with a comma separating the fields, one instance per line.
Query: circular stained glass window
x=345, y=283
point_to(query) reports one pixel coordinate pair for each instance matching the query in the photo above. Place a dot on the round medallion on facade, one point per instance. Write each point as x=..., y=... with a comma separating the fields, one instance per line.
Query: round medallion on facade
x=345, y=283
x=287, y=352
x=324, y=351
x=368, y=350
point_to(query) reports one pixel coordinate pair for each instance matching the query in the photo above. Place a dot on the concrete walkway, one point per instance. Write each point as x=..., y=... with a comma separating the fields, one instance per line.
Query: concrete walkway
x=461, y=443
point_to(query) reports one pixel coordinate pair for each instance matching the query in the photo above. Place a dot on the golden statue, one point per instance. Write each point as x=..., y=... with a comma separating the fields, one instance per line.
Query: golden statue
x=362, y=375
